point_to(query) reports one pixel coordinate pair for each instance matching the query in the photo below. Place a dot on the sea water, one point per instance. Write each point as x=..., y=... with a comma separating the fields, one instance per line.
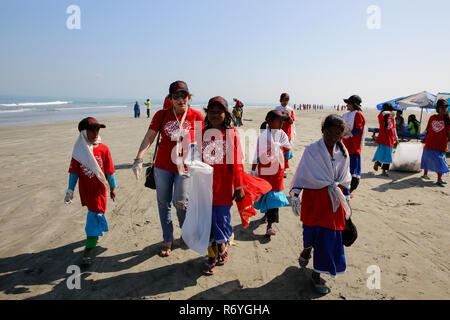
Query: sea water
x=16, y=110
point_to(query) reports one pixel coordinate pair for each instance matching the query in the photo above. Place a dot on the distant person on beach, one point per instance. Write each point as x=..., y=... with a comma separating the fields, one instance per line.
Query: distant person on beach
x=228, y=178
x=137, y=110
x=436, y=141
x=237, y=113
x=386, y=139
x=240, y=105
x=317, y=197
x=177, y=127
x=147, y=103
x=354, y=137
x=272, y=149
x=92, y=165
x=413, y=125
x=288, y=125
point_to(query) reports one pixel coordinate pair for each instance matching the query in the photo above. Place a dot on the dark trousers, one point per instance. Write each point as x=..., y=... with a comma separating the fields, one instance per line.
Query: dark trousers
x=272, y=215
x=384, y=166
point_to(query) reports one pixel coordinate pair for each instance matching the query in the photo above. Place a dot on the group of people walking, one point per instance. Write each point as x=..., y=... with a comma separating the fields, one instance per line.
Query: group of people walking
x=328, y=172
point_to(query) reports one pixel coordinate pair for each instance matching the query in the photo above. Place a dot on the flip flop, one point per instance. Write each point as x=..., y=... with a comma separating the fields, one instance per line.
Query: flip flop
x=166, y=250
x=209, y=269
x=223, y=257
x=271, y=232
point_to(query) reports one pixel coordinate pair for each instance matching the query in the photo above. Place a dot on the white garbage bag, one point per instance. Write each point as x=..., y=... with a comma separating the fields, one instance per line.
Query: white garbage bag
x=407, y=156
x=196, y=228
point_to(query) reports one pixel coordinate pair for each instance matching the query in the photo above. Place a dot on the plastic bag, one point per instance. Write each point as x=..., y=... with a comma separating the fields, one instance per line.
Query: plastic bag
x=407, y=156
x=196, y=230
x=256, y=187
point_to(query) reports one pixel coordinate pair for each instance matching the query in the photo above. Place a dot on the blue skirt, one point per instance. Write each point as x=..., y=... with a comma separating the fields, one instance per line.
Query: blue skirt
x=328, y=254
x=434, y=160
x=383, y=154
x=271, y=200
x=221, y=228
x=96, y=224
x=355, y=165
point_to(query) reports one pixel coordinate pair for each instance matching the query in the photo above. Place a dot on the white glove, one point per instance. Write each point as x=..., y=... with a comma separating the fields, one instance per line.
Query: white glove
x=69, y=196
x=296, y=205
x=254, y=173
x=137, y=167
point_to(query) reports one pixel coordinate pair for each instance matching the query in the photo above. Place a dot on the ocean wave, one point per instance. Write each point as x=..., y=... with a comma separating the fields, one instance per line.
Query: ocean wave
x=16, y=110
x=92, y=108
x=29, y=104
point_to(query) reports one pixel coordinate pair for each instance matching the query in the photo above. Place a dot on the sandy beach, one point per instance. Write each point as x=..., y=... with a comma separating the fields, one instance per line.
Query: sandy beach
x=403, y=225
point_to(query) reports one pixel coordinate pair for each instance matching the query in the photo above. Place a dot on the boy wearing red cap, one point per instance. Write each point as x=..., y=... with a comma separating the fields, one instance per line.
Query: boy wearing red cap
x=92, y=165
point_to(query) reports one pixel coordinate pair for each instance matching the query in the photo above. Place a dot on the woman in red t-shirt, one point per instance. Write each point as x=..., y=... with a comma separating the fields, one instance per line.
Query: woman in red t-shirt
x=436, y=140
x=386, y=139
x=177, y=127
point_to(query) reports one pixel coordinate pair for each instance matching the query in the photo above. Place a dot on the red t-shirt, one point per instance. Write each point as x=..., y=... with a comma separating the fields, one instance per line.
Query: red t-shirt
x=225, y=156
x=276, y=180
x=92, y=190
x=317, y=210
x=436, y=137
x=386, y=136
x=287, y=127
x=170, y=130
x=353, y=144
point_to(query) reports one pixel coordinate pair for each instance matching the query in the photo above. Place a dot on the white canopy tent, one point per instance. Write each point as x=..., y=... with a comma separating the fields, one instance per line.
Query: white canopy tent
x=418, y=101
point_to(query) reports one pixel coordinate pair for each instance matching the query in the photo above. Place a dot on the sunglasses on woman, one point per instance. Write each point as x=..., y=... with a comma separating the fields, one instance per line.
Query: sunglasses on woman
x=182, y=95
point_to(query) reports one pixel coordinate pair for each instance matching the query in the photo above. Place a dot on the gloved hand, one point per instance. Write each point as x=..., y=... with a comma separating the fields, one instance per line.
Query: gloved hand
x=296, y=205
x=69, y=196
x=137, y=167
x=254, y=173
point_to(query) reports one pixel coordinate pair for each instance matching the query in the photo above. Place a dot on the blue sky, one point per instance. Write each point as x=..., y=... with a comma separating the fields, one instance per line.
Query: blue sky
x=318, y=51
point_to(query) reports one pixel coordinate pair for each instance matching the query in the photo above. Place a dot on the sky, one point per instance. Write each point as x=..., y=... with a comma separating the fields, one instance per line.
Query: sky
x=317, y=51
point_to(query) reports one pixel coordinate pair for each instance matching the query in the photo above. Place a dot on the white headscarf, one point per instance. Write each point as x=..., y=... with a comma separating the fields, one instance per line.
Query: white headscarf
x=318, y=170
x=83, y=152
x=272, y=140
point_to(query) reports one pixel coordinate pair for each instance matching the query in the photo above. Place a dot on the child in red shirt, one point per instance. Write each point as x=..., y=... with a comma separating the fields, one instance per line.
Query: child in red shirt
x=273, y=148
x=221, y=149
x=322, y=175
x=386, y=139
x=436, y=140
x=92, y=165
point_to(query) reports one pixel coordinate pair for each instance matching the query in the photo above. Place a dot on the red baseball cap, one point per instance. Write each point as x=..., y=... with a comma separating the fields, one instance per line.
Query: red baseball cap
x=178, y=86
x=89, y=123
x=218, y=100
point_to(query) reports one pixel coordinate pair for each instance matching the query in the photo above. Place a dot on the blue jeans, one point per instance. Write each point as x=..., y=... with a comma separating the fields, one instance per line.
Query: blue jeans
x=170, y=187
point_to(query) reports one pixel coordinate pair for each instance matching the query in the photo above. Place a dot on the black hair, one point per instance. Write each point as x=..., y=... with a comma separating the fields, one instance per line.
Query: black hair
x=446, y=116
x=263, y=125
x=227, y=123
x=335, y=120
x=387, y=107
x=412, y=118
